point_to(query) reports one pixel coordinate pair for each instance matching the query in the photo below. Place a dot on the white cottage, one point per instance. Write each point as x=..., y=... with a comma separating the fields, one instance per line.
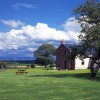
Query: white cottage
x=79, y=64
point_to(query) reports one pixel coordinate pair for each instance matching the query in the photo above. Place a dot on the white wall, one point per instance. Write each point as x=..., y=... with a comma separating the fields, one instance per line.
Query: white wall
x=79, y=65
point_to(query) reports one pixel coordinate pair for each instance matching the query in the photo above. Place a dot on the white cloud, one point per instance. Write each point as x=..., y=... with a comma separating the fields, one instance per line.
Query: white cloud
x=42, y=32
x=71, y=24
x=72, y=28
x=27, y=36
x=31, y=49
x=18, y=5
x=12, y=23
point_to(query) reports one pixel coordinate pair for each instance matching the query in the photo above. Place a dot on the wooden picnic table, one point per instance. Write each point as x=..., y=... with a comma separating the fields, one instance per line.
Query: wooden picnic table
x=21, y=71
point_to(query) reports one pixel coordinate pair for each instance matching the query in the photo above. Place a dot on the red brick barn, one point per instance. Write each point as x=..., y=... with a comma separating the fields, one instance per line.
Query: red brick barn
x=63, y=61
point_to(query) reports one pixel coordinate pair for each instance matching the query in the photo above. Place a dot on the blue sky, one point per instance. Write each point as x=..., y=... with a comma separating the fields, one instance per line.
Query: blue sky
x=26, y=24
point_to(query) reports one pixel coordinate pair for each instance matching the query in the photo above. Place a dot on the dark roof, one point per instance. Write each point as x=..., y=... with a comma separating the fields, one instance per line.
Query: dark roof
x=69, y=46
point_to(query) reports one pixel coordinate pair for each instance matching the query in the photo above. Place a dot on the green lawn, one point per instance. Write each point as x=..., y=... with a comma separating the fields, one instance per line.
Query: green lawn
x=42, y=84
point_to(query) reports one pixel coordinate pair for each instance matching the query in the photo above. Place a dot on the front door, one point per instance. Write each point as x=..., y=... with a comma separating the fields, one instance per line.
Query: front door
x=65, y=66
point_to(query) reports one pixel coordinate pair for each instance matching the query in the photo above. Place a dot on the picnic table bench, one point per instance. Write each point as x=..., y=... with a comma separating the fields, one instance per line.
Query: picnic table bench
x=21, y=71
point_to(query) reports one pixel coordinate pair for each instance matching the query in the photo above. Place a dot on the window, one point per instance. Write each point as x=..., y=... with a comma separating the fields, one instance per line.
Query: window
x=65, y=52
x=82, y=62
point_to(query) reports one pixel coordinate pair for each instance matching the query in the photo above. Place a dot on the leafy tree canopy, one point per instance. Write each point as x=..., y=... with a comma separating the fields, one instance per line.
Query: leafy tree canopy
x=88, y=16
x=45, y=53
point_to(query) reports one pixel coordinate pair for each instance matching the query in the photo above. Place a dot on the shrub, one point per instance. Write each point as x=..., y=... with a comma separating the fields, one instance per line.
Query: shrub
x=32, y=65
x=53, y=65
x=28, y=66
x=3, y=64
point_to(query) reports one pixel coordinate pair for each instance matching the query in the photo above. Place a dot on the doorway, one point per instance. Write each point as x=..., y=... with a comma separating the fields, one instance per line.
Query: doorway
x=65, y=66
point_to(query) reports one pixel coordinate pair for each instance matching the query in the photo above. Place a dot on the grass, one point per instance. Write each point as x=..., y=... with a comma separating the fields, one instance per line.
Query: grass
x=42, y=84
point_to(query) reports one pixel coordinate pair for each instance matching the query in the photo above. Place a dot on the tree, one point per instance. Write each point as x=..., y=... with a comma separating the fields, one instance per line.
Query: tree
x=3, y=65
x=88, y=16
x=45, y=53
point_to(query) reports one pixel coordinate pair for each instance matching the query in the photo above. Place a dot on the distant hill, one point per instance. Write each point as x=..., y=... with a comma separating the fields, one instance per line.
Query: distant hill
x=16, y=58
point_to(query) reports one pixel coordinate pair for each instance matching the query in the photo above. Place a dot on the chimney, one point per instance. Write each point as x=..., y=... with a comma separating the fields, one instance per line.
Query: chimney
x=63, y=42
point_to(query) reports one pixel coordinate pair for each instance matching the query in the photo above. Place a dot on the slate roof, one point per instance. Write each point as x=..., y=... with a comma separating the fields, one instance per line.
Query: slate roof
x=69, y=46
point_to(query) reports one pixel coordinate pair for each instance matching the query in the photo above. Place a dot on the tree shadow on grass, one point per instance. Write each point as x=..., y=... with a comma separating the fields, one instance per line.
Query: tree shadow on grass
x=85, y=76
